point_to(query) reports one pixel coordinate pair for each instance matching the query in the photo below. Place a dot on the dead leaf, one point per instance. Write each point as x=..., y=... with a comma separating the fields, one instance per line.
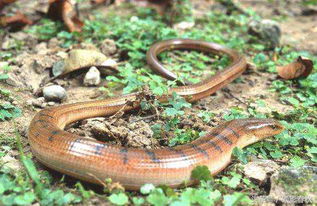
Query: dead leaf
x=302, y=67
x=65, y=10
x=16, y=22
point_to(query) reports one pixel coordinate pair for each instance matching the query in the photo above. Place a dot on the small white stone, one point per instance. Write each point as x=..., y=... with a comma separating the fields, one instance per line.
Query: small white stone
x=54, y=93
x=92, y=77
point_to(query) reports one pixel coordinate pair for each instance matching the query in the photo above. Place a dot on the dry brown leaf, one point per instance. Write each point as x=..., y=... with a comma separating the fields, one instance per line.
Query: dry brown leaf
x=17, y=21
x=64, y=10
x=302, y=67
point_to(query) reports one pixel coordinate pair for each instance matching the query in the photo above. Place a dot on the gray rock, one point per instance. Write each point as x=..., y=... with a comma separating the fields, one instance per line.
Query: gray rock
x=108, y=47
x=92, y=77
x=268, y=32
x=54, y=93
x=294, y=185
x=259, y=170
x=58, y=68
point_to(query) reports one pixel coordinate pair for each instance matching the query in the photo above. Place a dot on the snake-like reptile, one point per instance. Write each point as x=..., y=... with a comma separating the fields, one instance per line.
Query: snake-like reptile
x=94, y=161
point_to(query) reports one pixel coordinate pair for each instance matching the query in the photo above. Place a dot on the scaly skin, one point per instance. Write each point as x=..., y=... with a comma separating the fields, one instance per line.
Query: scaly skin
x=94, y=161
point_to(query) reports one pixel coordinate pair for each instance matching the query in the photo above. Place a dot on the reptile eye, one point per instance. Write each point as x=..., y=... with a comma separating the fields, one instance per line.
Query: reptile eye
x=274, y=127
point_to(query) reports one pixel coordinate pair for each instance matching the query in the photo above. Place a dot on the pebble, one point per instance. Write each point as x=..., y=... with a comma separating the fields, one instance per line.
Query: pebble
x=108, y=47
x=267, y=31
x=54, y=93
x=92, y=77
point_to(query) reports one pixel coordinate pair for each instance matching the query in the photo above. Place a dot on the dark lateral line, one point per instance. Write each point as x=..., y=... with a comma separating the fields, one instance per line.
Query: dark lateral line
x=223, y=137
x=124, y=152
x=214, y=145
x=233, y=132
x=46, y=115
x=99, y=148
x=200, y=150
x=179, y=152
x=152, y=156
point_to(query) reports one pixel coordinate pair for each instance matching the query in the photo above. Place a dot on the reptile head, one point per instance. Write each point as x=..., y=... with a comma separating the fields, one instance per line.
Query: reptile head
x=263, y=127
x=258, y=129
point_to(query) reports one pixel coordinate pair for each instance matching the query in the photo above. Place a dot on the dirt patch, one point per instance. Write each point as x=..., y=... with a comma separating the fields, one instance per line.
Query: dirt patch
x=301, y=32
x=297, y=21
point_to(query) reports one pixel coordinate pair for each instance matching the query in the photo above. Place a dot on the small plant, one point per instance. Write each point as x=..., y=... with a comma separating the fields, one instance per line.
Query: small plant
x=46, y=29
x=8, y=111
